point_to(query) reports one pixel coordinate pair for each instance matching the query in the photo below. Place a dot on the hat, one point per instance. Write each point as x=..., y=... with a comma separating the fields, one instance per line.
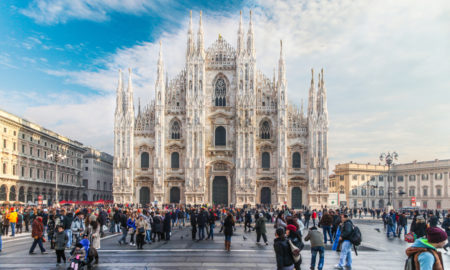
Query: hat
x=420, y=218
x=291, y=227
x=436, y=235
x=261, y=215
x=12, y=209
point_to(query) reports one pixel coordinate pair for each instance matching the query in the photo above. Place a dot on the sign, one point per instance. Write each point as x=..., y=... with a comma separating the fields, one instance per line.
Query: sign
x=413, y=199
x=342, y=197
x=40, y=197
x=333, y=199
x=413, y=202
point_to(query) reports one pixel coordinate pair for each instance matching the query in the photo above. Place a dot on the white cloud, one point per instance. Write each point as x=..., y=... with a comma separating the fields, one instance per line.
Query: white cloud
x=60, y=11
x=384, y=62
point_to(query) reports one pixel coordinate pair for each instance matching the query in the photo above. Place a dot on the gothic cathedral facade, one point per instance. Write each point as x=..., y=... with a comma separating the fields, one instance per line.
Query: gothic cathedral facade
x=221, y=132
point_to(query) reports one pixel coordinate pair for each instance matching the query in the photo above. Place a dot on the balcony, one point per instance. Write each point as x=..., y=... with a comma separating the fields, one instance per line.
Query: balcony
x=297, y=171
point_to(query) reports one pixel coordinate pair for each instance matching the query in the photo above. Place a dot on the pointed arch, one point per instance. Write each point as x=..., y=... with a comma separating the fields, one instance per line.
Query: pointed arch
x=265, y=129
x=220, y=86
x=175, y=129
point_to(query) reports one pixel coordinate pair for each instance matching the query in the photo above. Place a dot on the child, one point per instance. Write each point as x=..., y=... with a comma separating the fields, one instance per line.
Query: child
x=60, y=241
x=316, y=238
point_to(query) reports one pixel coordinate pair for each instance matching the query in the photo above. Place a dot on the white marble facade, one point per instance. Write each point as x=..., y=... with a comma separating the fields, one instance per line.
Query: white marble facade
x=221, y=132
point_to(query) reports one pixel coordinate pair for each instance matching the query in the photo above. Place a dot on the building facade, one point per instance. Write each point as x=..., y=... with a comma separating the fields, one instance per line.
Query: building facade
x=221, y=132
x=27, y=171
x=417, y=184
x=97, y=172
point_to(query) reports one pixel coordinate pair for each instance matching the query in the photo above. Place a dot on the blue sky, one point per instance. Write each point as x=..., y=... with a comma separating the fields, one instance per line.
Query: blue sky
x=386, y=63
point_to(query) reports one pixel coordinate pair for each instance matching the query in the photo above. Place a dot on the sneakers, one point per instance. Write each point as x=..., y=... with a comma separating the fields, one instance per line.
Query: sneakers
x=338, y=267
x=267, y=243
x=44, y=252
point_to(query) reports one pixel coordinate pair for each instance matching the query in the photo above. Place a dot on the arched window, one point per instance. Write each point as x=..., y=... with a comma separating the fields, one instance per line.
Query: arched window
x=265, y=130
x=145, y=160
x=220, y=136
x=220, y=93
x=3, y=193
x=265, y=160
x=296, y=160
x=175, y=131
x=175, y=160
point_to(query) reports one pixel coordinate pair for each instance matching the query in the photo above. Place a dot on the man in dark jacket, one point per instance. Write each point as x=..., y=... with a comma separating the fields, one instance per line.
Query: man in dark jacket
x=194, y=223
x=26, y=219
x=124, y=228
x=201, y=222
x=307, y=218
x=116, y=219
x=446, y=227
x=67, y=222
x=402, y=224
x=346, y=250
x=325, y=223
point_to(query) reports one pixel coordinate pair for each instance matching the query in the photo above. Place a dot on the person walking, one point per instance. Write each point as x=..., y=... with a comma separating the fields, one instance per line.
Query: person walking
x=201, y=222
x=131, y=224
x=123, y=228
x=317, y=245
x=260, y=227
x=283, y=253
x=167, y=226
x=37, y=232
x=307, y=218
x=60, y=240
x=78, y=226
x=194, y=224
x=419, y=227
x=346, y=249
x=228, y=230
x=402, y=224
x=325, y=222
x=5, y=223
x=294, y=236
x=212, y=224
x=424, y=250
x=158, y=221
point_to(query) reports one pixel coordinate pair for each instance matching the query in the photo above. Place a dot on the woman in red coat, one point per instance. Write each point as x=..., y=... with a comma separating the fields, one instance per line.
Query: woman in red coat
x=37, y=232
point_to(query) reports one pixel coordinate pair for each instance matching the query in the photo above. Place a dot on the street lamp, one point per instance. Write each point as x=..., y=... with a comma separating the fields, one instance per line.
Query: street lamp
x=56, y=157
x=389, y=160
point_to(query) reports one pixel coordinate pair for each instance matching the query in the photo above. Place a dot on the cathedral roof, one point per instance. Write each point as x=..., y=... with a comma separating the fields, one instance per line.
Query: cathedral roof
x=221, y=55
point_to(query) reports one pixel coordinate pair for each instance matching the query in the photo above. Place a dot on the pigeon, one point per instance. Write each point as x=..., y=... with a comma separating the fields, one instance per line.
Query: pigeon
x=377, y=229
x=245, y=238
x=181, y=237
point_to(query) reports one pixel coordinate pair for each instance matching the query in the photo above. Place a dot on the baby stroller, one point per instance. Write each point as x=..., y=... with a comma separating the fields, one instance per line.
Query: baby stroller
x=76, y=263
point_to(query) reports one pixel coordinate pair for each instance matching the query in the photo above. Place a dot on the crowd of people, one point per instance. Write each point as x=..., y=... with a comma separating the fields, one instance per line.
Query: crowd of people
x=78, y=229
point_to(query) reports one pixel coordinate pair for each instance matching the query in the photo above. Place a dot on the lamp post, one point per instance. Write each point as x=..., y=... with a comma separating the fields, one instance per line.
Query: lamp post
x=56, y=157
x=389, y=160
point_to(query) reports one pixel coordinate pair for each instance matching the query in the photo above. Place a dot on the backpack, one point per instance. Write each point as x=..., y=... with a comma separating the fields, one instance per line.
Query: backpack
x=409, y=263
x=356, y=237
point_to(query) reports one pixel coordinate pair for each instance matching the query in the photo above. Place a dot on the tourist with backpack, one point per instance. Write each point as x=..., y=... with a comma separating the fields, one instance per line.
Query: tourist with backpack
x=346, y=249
x=423, y=254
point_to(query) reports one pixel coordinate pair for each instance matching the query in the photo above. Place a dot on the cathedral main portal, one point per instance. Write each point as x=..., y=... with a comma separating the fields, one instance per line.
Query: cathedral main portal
x=220, y=190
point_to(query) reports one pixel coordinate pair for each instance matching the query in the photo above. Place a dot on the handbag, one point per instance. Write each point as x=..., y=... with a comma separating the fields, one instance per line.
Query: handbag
x=141, y=230
x=105, y=228
x=295, y=252
x=410, y=237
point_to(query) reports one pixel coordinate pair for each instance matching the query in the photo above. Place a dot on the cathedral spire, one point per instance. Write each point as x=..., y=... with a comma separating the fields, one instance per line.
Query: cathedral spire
x=240, y=39
x=323, y=96
x=139, y=106
x=281, y=65
x=250, y=38
x=160, y=72
x=312, y=96
x=119, y=98
x=200, y=36
x=190, y=43
x=130, y=103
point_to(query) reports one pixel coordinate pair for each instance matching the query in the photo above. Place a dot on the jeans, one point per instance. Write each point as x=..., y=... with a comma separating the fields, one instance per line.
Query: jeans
x=400, y=228
x=37, y=242
x=1, y=242
x=346, y=254
x=228, y=238
x=124, y=235
x=201, y=232
x=148, y=236
x=327, y=230
x=314, y=251
x=390, y=229
x=69, y=235
x=211, y=231
x=307, y=223
x=117, y=227
x=13, y=228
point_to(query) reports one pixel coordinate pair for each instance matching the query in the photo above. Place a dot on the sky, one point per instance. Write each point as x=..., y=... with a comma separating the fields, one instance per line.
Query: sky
x=386, y=64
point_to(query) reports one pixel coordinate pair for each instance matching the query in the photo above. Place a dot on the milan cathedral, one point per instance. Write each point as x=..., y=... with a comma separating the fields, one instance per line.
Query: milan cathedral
x=221, y=132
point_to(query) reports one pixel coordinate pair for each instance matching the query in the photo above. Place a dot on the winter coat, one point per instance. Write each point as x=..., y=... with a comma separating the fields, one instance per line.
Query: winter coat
x=420, y=229
x=327, y=220
x=167, y=223
x=77, y=226
x=283, y=253
x=316, y=238
x=346, y=230
x=402, y=220
x=12, y=217
x=260, y=225
x=61, y=239
x=141, y=224
x=446, y=225
x=201, y=219
x=296, y=239
x=228, y=226
x=280, y=223
x=157, y=220
x=51, y=227
x=94, y=236
x=425, y=255
x=68, y=219
x=37, y=228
